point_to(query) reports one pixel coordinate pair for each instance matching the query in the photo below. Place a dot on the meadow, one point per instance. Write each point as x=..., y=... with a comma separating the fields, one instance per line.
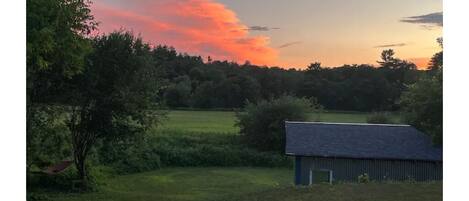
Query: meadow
x=207, y=135
x=211, y=138
x=223, y=122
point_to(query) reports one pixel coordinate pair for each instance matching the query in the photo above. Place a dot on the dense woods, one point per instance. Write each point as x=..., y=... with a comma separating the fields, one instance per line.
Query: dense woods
x=191, y=82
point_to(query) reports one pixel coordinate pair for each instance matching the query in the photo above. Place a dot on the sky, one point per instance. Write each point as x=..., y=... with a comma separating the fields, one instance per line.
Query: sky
x=288, y=34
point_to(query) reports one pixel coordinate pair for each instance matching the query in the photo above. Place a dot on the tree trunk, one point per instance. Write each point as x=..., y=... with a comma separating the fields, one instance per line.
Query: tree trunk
x=82, y=140
x=80, y=165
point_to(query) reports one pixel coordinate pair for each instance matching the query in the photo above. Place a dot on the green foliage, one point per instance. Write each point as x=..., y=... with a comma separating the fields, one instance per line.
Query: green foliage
x=55, y=51
x=364, y=178
x=48, y=139
x=262, y=125
x=129, y=156
x=379, y=118
x=355, y=87
x=115, y=95
x=202, y=97
x=422, y=105
x=223, y=84
x=212, y=149
x=32, y=196
x=231, y=92
x=56, y=47
x=178, y=94
x=55, y=30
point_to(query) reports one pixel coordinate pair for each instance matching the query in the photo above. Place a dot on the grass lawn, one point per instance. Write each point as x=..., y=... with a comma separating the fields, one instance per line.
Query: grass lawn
x=245, y=184
x=223, y=121
x=352, y=192
x=187, y=184
x=200, y=121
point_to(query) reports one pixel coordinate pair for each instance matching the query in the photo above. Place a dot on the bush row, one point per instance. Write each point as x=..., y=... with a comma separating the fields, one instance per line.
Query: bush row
x=183, y=150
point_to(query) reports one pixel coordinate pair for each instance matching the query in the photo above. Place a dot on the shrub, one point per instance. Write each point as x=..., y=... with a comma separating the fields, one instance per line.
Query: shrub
x=48, y=139
x=262, y=125
x=379, y=118
x=208, y=149
x=364, y=178
x=130, y=156
x=172, y=148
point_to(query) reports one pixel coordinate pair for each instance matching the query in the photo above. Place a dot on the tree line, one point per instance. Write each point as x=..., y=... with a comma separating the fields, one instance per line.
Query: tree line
x=191, y=82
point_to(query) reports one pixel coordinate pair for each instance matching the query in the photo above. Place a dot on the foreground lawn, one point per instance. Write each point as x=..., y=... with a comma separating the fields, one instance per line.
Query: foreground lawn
x=352, y=192
x=245, y=184
x=224, y=121
x=178, y=184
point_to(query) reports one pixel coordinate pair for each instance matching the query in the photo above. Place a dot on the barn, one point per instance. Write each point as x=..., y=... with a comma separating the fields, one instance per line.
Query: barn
x=326, y=152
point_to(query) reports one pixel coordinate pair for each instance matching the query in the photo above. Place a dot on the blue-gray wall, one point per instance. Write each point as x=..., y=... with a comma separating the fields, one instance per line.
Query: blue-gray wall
x=344, y=169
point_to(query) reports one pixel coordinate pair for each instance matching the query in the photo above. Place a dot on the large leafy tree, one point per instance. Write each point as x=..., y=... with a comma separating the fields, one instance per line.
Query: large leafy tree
x=114, y=96
x=422, y=103
x=423, y=106
x=56, y=46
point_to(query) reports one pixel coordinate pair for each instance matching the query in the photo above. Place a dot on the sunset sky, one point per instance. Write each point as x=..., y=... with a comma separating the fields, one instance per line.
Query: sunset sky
x=282, y=33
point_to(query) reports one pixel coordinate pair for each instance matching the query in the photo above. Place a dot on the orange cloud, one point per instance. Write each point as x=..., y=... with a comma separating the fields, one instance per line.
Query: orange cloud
x=200, y=27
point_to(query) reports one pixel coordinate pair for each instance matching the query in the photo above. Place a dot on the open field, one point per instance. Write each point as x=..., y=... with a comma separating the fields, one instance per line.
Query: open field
x=200, y=121
x=250, y=184
x=224, y=121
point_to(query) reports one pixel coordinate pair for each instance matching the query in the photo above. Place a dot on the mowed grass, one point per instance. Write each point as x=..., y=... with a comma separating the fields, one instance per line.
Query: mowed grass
x=223, y=122
x=245, y=184
x=187, y=184
x=352, y=192
x=200, y=121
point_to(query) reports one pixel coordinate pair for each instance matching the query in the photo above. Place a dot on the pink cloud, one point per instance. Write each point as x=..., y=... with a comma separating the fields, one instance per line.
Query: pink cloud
x=200, y=27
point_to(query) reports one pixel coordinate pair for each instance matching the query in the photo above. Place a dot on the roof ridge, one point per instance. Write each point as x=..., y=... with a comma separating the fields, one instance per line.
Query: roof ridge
x=352, y=124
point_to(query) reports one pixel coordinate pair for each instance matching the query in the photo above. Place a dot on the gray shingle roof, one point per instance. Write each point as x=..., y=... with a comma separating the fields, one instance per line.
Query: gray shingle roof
x=371, y=141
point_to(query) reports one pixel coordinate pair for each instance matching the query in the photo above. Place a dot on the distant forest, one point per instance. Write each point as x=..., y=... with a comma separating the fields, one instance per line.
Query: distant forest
x=190, y=82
